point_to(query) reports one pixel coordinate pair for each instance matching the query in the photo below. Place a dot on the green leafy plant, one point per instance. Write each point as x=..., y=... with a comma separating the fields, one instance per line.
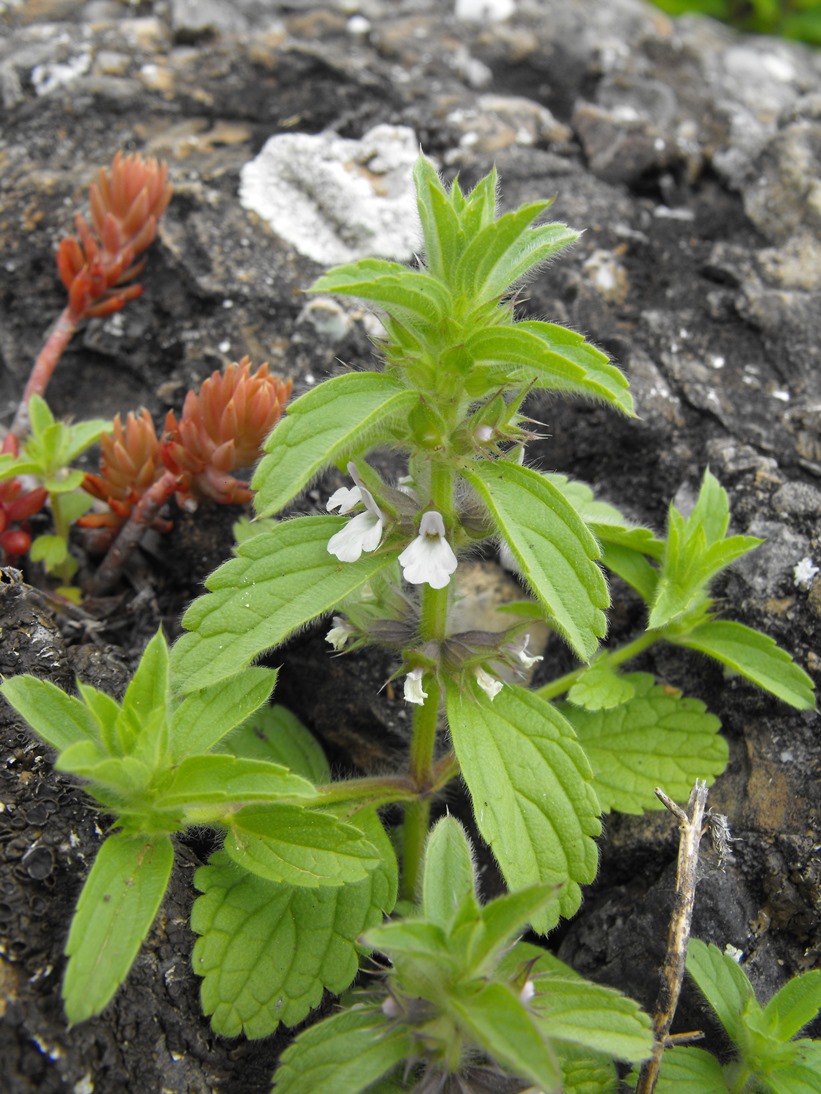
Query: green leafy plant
x=47, y=454
x=308, y=869
x=769, y=1057
x=799, y=19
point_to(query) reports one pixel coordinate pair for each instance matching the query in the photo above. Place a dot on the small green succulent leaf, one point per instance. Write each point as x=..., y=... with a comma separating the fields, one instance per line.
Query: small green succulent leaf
x=449, y=874
x=795, y=1005
x=656, y=738
x=268, y=952
x=688, y=1070
x=341, y=417
x=60, y=720
x=550, y=358
x=203, y=718
x=601, y=687
x=117, y=906
x=755, y=656
x=553, y=547
x=695, y=552
x=531, y=788
x=228, y=780
x=275, y=734
x=503, y=1026
x=346, y=1053
x=725, y=986
x=295, y=846
x=275, y=585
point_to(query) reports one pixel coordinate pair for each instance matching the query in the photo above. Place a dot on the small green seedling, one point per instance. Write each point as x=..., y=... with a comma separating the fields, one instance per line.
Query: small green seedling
x=461, y=998
x=769, y=1056
x=47, y=454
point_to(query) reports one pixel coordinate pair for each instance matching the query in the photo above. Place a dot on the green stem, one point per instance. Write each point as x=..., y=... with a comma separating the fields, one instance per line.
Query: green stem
x=432, y=627
x=375, y=790
x=617, y=657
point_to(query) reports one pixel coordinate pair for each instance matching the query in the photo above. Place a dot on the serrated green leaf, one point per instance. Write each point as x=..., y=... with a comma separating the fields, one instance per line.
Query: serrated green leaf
x=277, y=735
x=340, y=417
x=147, y=693
x=441, y=228
x=506, y=916
x=500, y=1024
x=105, y=712
x=755, y=656
x=412, y=297
x=556, y=552
x=797, y=1070
x=657, y=738
x=585, y=1072
x=531, y=788
x=601, y=687
x=204, y=717
x=221, y=779
x=60, y=720
x=550, y=358
x=688, y=1070
x=448, y=872
x=117, y=906
x=598, y=1018
x=85, y=759
x=275, y=585
x=631, y=566
x=724, y=984
x=296, y=846
x=268, y=952
x=796, y=1004
x=84, y=434
x=345, y=1053
x=695, y=552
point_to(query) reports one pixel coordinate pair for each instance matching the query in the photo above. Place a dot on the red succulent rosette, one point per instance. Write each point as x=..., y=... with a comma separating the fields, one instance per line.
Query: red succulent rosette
x=222, y=429
x=99, y=269
x=16, y=506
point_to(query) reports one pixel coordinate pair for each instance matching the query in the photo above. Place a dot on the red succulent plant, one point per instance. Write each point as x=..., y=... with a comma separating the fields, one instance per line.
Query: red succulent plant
x=100, y=267
x=16, y=506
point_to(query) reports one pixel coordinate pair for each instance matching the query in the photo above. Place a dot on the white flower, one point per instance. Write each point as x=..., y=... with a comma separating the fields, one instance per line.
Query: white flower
x=527, y=992
x=429, y=559
x=413, y=687
x=339, y=633
x=804, y=572
x=362, y=532
x=519, y=651
x=489, y=684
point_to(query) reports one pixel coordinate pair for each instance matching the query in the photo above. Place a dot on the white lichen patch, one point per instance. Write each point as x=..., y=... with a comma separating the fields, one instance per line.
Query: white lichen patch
x=338, y=200
x=803, y=573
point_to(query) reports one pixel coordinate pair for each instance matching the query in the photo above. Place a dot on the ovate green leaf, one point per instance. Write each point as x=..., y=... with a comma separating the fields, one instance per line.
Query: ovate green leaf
x=657, y=738
x=448, y=873
x=268, y=952
x=755, y=656
x=345, y=1053
x=601, y=687
x=204, y=717
x=297, y=846
x=223, y=779
x=531, y=788
x=338, y=418
x=556, y=552
x=277, y=583
x=147, y=692
x=277, y=735
x=689, y=1070
x=117, y=906
x=724, y=984
x=796, y=1004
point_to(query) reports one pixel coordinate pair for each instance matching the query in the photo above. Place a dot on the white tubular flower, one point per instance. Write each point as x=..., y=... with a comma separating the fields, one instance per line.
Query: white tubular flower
x=527, y=992
x=519, y=651
x=489, y=684
x=339, y=633
x=413, y=687
x=362, y=532
x=429, y=560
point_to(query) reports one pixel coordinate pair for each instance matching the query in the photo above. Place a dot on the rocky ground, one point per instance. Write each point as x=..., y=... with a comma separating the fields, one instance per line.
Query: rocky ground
x=690, y=155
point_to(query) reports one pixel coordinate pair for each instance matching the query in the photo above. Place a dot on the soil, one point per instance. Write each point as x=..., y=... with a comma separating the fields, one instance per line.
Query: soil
x=707, y=297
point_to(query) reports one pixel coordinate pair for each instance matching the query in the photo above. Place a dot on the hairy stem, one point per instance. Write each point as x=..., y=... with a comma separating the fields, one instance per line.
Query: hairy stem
x=61, y=333
x=614, y=658
x=373, y=790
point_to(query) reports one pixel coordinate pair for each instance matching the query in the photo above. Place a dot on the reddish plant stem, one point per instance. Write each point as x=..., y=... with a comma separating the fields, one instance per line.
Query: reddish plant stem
x=62, y=331
x=142, y=517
